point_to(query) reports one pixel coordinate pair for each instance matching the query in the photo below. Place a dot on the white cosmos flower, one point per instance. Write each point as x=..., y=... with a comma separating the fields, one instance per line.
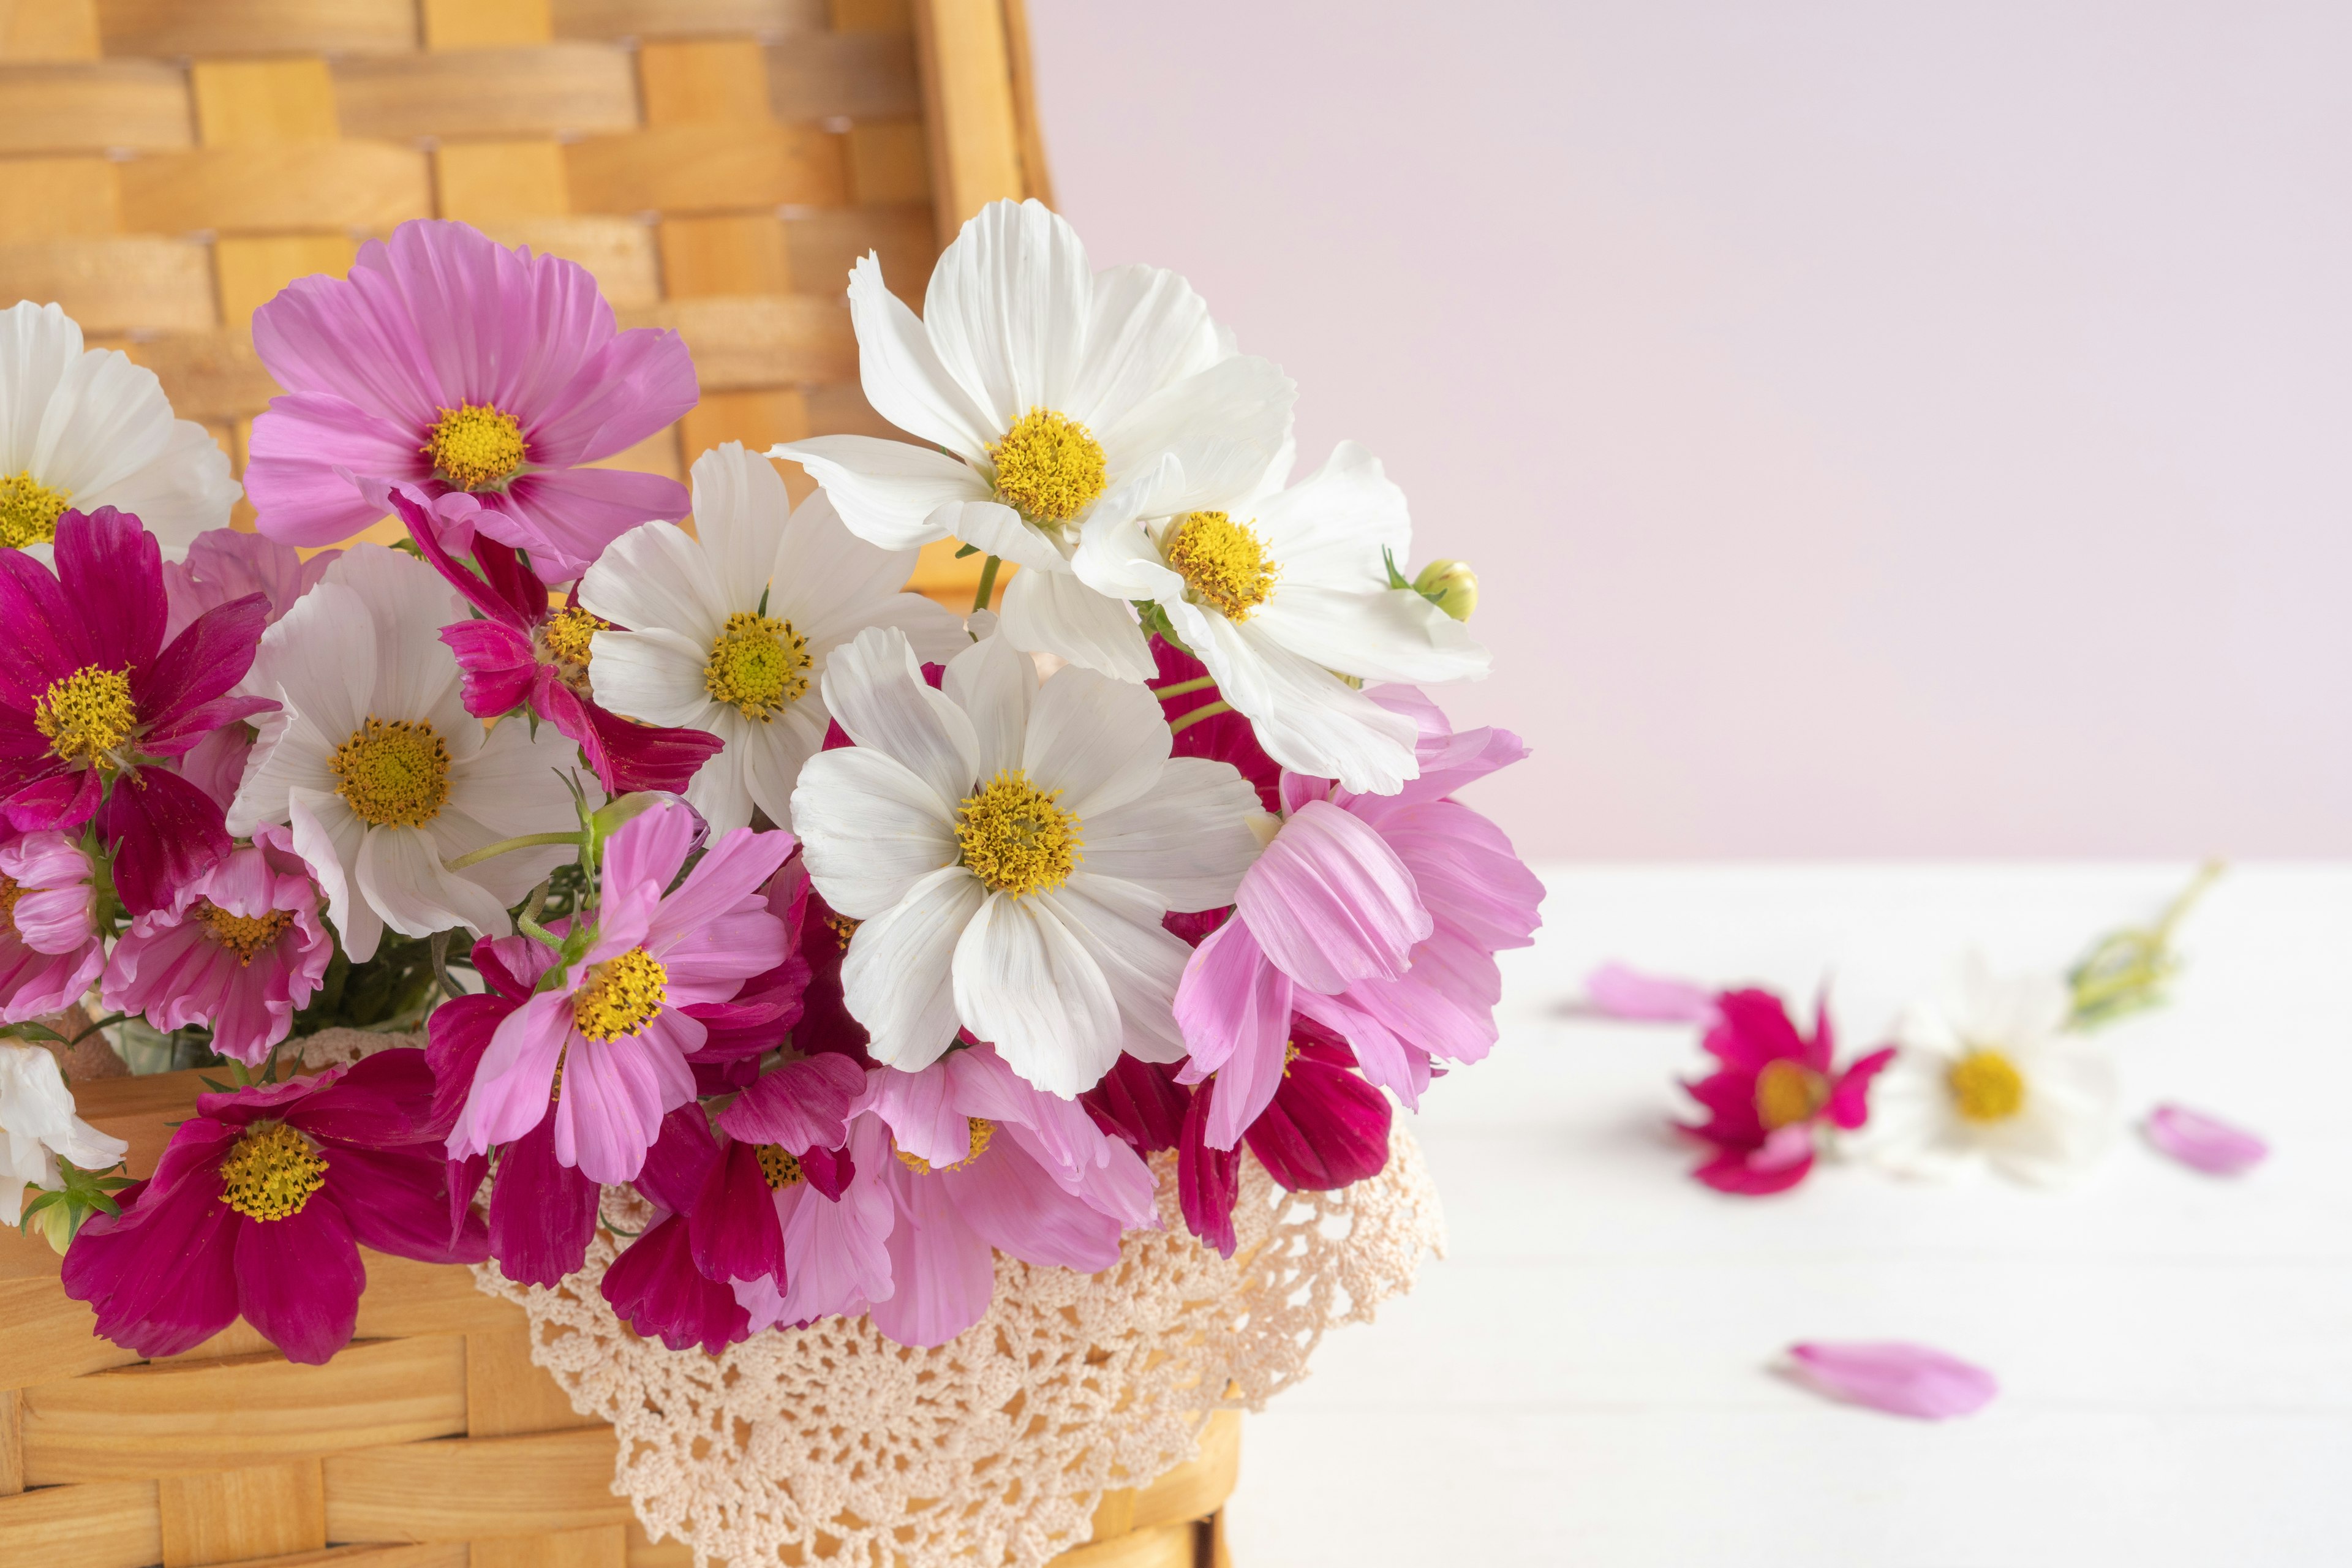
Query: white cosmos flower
x=729, y=631
x=1274, y=592
x=1048, y=385
x=38, y=1124
x=91, y=429
x=1992, y=1076
x=381, y=771
x=1011, y=850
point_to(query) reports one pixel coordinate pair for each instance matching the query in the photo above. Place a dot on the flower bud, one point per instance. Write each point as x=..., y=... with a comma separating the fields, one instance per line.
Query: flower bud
x=1450, y=585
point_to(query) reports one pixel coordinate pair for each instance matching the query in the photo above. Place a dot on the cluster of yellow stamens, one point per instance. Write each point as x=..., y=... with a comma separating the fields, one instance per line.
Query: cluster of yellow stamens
x=10, y=891
x=568, y=634
x=474, y=447
x=271, y=1171
x=842, y=929
x=779, y=1169
x=392, y=774
x=29, y=509
x=982, y=1130
x=87, y=716
x=622, y=995
x=759, y=666
x=1049, y=467
x=1788, y=1092
x=1222, y=562
x=243, y=936
x=1986, y=1087
x=1014, y=838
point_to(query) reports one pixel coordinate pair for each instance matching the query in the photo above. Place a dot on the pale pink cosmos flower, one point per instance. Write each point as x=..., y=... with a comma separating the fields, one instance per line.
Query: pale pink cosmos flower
x=49, y=946
x=984, y=1162
x=449, y=361
x=1377, y=916
x=239, y=948
x=609, y=1043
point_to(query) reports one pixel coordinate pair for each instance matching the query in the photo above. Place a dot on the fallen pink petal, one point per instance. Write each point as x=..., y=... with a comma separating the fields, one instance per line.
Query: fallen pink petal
x=1895, y=1376
x=2203, y=1143
x=1618, y=992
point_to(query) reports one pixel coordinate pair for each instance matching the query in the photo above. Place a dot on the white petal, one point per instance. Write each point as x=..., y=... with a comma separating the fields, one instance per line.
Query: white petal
x=870, y=827
x=37, y=342
x=1148, y=330
x=508, y=877
x=740, y=508
x=995, y=529
x=1331, y=528
x=995, y=684
x=1008, y=308
x=654, y=677
x=1188, y=840
x=417, y=676
x=327, y=835
x=876, y=693
x=106, y=419
x=1024, y=982
x=657, y=578
x=1053, y=612
x=820, y=568
x=182, y=492
x=1308, y=718
x=321, y=659
x=290, y=755
x=895, y=977
x=1118, y=559
x=887, y=492
x=1101, y=743
x=1118, y=925
x=1382, y=634
x=513, y=783
x=721, y=787
x=774, y=753
x=901, y=372
x=401, y=876
x=1227, y=424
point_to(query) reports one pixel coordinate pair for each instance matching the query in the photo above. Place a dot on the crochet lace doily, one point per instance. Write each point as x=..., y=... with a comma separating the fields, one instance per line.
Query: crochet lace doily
x=995, y=1448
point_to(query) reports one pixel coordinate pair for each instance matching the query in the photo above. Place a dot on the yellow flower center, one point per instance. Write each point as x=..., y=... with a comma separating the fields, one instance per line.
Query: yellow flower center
x=842, y=929
x=782, y=1170
x=568, y=633
x=87, y=716
x=1788, y=1092
x=395, y=775
x=29, y=511
x=1986, y=1087
x=622, y=995
x=1016, y=838
x=982, y=1130
x=271, y=1171
x=474, y=447
x=243, y=936
x=10, y=891
x=759, y=666
x=1222, y=562
x=1049, y=467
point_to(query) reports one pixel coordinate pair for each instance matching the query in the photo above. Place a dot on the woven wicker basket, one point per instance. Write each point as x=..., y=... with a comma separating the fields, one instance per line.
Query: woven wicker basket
x=717, y=165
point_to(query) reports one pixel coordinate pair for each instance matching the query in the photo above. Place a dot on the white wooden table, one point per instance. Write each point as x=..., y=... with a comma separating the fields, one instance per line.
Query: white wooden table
x=1586, y=1378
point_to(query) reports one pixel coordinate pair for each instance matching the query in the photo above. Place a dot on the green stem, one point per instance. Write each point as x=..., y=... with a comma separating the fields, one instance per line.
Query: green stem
x=102, y=1023
x=1182, y=688
x=987, y=584
x=1207, y=710
x=527, y=841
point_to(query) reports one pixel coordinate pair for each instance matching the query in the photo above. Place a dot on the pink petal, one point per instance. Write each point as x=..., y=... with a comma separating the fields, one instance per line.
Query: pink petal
x=942, y=1273
x=2199, y=1142
x=1618, y=992
x=1897, y=1377
x=1233, y=1009
x=1329, y=903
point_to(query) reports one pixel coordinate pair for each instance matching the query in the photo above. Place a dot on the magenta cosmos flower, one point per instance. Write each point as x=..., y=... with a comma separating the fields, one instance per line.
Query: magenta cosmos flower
x=987, y=1161
x=449, y=361
x=1378, y=917
x=608, y=1043
x=239, y=948
x=527, y=650
x=261, y=1205
x=1775, y=1089
x=50, y=945
x=94, y=705
x=223, y=565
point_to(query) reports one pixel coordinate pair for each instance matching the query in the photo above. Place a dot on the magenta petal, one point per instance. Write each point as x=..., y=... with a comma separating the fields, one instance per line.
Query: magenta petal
x=299, y=1279
x=498, y=665
x=112, y=571
x=800, y=1105
x=648, y=756
x=1327, y=1128
x=1622, y=993
x=1208, y=1180
x=542, y=1212
x=165, y=831
x=656, y=1289
x=734, y=1230
x=2199, y=1142
x=1897, y=1377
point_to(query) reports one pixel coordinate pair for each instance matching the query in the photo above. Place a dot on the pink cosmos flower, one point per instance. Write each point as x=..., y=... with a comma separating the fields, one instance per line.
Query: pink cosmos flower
x=609, y=1041
x=987, y=1161
x=239, y=948
x=223, y=565
x=795, y=1170
x=1774, y=1091
x=449, y=361
x=525, y=651
x=49, y=946
x=1378, y=917
x=94, y=704
x=261, y=1205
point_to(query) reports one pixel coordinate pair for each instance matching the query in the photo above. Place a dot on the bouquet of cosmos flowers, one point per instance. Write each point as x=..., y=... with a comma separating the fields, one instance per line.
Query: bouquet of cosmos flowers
x=861, y=937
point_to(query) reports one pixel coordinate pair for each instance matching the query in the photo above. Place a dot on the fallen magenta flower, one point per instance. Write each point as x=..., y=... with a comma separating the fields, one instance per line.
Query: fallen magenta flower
x=1897, y=1377
x=2202, y=1143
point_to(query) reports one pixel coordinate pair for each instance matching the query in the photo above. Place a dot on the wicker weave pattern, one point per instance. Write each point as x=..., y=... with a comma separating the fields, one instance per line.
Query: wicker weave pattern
x=716, y=164
x=433, y=1427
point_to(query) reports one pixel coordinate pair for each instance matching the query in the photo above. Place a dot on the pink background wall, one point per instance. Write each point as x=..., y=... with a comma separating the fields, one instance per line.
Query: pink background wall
x=1882, y=429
